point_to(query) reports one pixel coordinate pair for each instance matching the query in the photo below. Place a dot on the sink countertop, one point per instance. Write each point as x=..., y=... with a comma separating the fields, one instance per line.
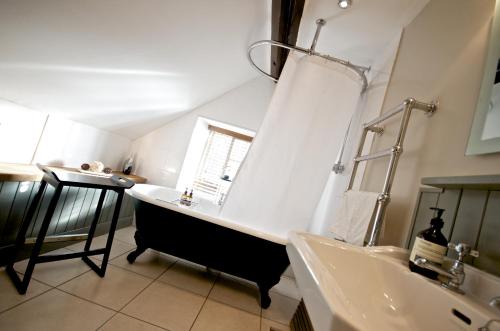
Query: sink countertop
x=14, y=172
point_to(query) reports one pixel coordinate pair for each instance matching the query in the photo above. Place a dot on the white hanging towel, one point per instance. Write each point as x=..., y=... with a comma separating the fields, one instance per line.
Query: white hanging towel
x=353, y=216
x=282, y=178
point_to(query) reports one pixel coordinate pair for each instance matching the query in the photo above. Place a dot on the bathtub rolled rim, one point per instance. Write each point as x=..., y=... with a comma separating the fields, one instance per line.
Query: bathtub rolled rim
x=209, y=216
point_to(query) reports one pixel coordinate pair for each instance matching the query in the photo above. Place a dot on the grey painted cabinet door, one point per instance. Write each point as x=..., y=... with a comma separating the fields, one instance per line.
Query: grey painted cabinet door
x=472, y=217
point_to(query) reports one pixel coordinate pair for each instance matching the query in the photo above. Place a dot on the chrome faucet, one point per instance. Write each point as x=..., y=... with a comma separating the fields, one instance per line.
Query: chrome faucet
x=495, y=302
x=486, y=327
x=455, y=275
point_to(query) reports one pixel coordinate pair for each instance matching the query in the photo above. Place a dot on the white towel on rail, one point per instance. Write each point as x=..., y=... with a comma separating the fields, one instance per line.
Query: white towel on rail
x=353, y=217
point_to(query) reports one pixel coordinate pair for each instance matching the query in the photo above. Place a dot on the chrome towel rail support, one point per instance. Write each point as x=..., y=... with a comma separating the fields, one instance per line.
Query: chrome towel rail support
x=359, y=70
x=394, y=152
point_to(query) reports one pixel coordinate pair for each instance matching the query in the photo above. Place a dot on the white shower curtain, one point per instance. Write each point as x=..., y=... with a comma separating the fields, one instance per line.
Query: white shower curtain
x=281, y=180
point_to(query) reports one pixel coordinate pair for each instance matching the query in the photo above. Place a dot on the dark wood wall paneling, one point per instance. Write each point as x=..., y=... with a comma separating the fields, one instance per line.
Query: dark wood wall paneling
x=472, y=216
x=74, y=211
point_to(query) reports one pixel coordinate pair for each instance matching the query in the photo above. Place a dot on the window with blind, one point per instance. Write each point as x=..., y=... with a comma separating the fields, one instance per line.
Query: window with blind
x=222, y=156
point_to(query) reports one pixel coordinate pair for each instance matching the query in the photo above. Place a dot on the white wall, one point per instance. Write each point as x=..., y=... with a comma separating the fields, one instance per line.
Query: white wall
x=68, y=143
x=160, y=154
x=442, y=55
x=20, y=130
x=366, y=34
x=28, y=136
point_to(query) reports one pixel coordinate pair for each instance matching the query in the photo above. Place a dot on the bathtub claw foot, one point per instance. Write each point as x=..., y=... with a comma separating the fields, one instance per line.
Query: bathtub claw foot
x=132, y=256
x=265, y=299
x=138, y=251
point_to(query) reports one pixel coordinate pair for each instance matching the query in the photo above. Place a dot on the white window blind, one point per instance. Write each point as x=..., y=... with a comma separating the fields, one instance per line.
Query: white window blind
x=222, y=156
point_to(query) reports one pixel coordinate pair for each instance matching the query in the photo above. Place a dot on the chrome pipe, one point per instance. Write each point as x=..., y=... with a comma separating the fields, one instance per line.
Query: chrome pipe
x=376, y=155
x=424, y=263
x=356, y=163
x=386, y=115
x=384, y=198
x=319, y=24
x=359, y=70
x=377, y=215
x=338, y=167
x=428, y=108
x=272, y=43
x=376, y=129
x=486, y=327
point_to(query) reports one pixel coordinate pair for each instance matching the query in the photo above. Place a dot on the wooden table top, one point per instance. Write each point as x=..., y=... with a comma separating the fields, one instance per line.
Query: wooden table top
x=14, y=172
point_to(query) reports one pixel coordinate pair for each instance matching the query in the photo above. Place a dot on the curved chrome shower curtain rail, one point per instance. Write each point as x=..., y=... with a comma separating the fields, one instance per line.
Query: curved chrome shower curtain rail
x=359, y=70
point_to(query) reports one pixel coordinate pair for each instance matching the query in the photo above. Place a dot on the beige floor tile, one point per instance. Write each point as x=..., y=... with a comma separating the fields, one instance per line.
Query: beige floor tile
x=216, y=316
x=55, y=310
x=268, y=325
x=57, y=272
x=121, y=322
x=241, y=295
x=166, y=306
x=118, y=247
x=190, y=276
x=289, y=272
x=126, y=234
x=282, y=308
x=287, y=286
x=115, y=290
x=9, y=297
x=150, y=263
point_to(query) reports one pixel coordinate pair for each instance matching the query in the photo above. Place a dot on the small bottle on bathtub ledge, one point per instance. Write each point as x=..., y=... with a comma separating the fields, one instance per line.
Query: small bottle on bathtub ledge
x=431, y=245
x=186, y=198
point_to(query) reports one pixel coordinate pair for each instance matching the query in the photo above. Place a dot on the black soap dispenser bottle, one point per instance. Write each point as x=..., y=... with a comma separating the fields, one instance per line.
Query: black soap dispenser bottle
x=431, y=245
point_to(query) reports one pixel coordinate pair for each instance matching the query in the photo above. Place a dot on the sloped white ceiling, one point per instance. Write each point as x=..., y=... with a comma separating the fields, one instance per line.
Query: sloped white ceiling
x=126, y=66
x=358, y=34
x=130, y=66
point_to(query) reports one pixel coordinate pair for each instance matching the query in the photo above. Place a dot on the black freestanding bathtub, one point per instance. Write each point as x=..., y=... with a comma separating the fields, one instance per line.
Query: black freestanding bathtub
x=196, y=234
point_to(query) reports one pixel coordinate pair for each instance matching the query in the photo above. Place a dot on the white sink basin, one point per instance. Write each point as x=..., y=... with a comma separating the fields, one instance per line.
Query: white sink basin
x=347, y=287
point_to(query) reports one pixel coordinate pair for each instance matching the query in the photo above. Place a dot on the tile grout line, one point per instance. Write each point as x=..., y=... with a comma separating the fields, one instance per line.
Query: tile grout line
x=284, y=295
x=222, y=302
x=204, y=302
x=123, y=268
x=84, y=299
x=135, y=296
x=29, y=299
x=51, y=287
x=152, y=280
x=123, y=313
x=136, y=318
x=98, y=304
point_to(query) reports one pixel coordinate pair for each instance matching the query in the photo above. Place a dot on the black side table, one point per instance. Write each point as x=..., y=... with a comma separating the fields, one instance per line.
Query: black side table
x=114, y=183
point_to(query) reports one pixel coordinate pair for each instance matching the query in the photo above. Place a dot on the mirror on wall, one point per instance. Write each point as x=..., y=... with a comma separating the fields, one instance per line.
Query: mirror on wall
x=485, y=132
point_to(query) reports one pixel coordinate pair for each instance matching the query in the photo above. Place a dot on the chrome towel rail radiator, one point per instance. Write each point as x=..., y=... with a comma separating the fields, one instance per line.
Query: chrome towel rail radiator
x=393, y=152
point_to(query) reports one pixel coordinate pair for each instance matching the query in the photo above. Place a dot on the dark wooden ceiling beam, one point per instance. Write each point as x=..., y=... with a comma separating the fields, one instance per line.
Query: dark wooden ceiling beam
x=286, y=16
